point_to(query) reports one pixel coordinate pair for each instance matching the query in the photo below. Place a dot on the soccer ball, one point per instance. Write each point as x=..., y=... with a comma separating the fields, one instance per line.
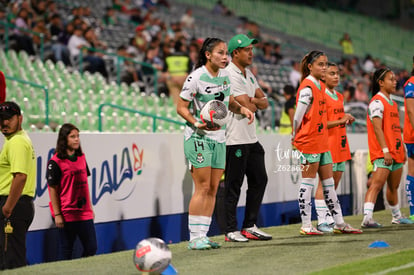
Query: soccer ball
x=152, y=255
x=214, y=113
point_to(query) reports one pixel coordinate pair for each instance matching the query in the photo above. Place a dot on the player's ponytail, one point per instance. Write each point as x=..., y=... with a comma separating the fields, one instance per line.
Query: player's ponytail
x=378, y=75
x=208, y=46
x=309, y=59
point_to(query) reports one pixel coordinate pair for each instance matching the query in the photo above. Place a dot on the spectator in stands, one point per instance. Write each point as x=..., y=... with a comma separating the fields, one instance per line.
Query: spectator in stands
x=346, y=43
x=128, y=72
x=354, y=64
x=40, y=27
x=361, y=94
x=135, y=16
x=109, y=18
x=51, y=9
x=28, y=7
x=95, y=58
x=402, y=78
x=131, y=48
x=253, y=31
x=267, y=57
x=409, y=139
x=64, y=36
x=177, y=65
x=88, y=18
x=57, y=31
x=346, y=78
x=79, y=23
x=140, y=40
x=154, y=27
x=193, y=51
x=295, y=75
x=76, y=12
x=221, y=9
x=12, y=12
x=178, y=32
x=92, y=39
x=70, y=205
x=152, y=57
x=187, y=20
x=276, y=53
x=242, y=26
x=76, y=42
x=349, y=94
x=386, y=148
x=286, y=119
x=94, y=62
x=39, y=7
x=22, y=33
x=149, y=5
x=368, y=64
x=263, y=84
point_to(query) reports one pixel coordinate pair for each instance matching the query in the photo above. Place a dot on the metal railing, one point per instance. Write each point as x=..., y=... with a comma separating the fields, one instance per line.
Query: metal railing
x=119, y=61
x=154, y=117
x=9, y=26
x=33, y=84
x=273, y=116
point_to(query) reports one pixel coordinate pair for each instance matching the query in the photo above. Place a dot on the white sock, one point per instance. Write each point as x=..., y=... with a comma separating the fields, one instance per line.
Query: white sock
x=198, y=226
x=331, y=200
x=322, y=211
x=329, y=218
x=395, y=211
x=304, y=199
x=368, y=211
x=206, y=221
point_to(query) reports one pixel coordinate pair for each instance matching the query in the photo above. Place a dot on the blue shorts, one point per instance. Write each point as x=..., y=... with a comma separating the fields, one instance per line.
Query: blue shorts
x=410, y=149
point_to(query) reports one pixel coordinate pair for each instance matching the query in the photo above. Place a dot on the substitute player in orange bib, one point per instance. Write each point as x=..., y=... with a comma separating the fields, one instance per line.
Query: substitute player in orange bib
x=386, y=149
x=309, y=137
x=337, y=141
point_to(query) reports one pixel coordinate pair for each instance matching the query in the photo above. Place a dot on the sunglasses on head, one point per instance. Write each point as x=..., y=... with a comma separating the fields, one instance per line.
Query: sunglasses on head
x=7, y=108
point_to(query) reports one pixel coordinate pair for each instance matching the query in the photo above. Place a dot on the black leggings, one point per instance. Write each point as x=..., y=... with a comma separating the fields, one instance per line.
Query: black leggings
x=85, y=230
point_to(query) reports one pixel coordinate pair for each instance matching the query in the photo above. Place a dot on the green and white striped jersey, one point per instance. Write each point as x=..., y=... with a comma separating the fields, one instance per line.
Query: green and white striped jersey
x=201, y=87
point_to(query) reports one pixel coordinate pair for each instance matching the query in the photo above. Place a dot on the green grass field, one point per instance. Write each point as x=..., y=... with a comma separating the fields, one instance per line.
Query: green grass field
x=287, y=253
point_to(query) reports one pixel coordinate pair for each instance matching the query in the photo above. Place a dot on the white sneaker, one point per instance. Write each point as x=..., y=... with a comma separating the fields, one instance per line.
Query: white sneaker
x=235, y=236
x=255, y=233
x=310, y=231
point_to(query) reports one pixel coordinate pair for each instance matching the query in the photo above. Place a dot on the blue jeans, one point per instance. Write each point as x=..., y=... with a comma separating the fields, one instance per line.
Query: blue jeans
x=85, y=230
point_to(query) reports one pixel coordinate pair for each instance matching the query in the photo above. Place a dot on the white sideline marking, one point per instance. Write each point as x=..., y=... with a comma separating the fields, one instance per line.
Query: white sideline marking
x=392, y=269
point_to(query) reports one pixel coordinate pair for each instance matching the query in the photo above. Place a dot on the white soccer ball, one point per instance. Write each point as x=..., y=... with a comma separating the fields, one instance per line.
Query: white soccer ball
x=152, y=255
x=214, y=113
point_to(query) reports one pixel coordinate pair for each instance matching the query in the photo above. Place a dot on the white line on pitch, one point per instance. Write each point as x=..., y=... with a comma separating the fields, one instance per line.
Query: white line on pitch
x=392, y=269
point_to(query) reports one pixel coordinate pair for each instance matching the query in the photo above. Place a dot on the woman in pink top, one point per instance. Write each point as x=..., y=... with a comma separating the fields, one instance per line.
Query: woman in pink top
x=67, y=178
